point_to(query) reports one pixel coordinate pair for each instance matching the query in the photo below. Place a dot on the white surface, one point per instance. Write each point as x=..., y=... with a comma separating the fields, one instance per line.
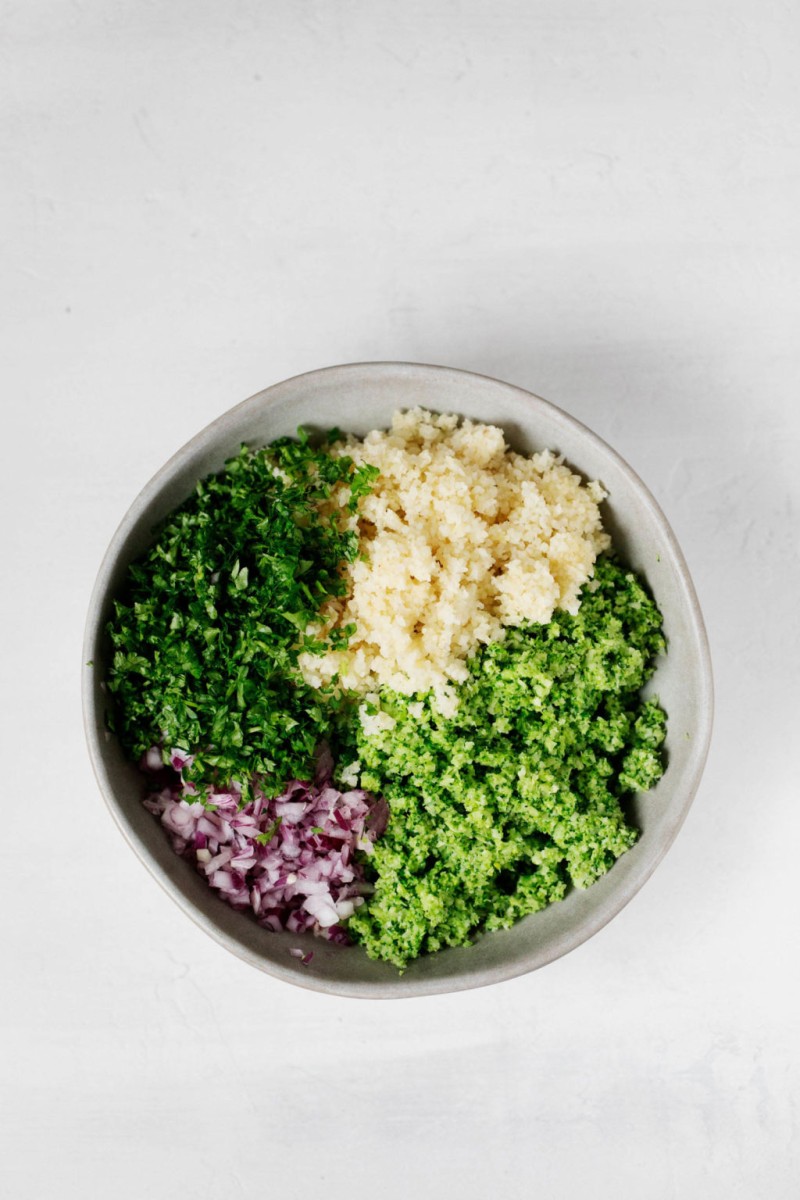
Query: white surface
x=596, y=201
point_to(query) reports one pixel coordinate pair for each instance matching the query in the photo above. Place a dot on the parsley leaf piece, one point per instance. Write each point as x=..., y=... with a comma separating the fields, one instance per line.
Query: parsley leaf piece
x=207, y=628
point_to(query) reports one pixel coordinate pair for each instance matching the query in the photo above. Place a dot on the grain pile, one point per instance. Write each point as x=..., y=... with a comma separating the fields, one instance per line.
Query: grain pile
x=460, y=537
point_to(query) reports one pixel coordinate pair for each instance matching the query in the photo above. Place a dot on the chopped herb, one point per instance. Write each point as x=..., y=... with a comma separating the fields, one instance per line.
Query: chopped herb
x=209, y=623
x=266, y=837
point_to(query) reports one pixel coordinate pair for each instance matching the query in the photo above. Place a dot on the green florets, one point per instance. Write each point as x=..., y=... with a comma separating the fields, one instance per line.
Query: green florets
x=495, y=811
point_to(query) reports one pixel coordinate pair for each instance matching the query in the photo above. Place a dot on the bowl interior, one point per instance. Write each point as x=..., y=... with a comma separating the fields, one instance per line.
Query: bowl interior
x=356, y=399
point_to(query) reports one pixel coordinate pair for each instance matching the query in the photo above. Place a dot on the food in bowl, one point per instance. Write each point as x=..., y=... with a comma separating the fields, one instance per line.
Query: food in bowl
x=388, y=690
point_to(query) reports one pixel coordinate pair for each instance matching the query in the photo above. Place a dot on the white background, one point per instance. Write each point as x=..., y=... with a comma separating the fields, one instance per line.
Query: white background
x=596, y=201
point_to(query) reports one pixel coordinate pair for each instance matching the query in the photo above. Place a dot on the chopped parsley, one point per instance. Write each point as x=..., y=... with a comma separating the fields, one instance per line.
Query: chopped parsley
x=210, y=620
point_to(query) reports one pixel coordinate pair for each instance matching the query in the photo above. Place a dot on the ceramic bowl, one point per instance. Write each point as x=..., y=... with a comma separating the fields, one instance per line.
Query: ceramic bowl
x=359, y=398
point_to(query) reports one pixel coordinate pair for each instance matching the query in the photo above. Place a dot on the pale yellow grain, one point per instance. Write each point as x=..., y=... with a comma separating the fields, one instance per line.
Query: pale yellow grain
x=461, y=537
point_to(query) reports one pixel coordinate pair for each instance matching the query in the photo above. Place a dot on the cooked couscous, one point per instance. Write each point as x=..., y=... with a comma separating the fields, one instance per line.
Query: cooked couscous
x=460, y=538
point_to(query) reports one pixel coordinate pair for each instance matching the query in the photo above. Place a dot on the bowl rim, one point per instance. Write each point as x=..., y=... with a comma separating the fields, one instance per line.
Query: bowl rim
x=398, y=988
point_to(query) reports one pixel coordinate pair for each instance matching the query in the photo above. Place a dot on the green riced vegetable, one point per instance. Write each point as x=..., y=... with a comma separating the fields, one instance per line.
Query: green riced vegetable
x=210, y=620
x=496, y=810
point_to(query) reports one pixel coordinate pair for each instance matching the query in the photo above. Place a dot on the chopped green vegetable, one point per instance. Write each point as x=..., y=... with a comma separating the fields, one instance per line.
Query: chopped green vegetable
x=496, y=810
x=206, y=629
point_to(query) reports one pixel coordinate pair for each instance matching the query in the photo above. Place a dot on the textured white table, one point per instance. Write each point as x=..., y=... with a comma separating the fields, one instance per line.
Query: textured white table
x=596, y=201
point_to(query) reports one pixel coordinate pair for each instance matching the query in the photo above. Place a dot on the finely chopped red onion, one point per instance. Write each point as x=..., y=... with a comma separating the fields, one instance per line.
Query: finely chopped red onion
x=290, y=860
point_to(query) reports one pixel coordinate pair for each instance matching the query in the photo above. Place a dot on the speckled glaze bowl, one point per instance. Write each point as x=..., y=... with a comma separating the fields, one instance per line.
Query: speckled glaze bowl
x=358, y=398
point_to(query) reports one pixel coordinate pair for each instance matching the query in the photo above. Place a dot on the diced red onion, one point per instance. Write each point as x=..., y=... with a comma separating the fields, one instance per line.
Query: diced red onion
x=304, y=879
x=153, y=760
